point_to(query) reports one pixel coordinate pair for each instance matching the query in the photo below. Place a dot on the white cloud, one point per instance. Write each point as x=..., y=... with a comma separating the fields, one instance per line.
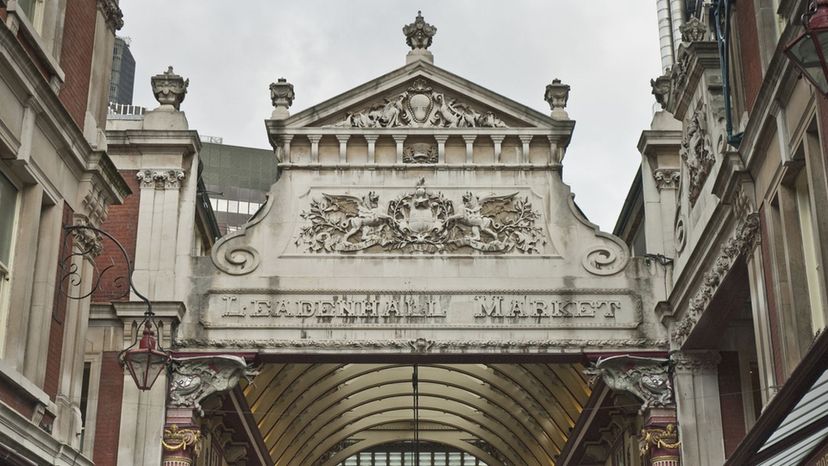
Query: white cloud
x=231, y=51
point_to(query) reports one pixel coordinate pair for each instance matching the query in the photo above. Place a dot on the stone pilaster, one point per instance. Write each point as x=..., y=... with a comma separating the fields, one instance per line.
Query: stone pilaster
x=699, y=412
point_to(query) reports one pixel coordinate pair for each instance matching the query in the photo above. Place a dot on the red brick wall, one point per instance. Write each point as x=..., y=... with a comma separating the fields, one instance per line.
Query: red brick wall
x=122, y=223
x=50, y=384
x=730, y=390
x=107, y=428
x=76, y=56
x=748, y=40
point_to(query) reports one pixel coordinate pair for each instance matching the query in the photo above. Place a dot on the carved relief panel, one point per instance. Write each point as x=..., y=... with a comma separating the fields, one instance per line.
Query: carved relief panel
x=422, y=220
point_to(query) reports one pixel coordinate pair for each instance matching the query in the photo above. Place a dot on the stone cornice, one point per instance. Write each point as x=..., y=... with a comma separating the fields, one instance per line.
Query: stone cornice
x=185, y=141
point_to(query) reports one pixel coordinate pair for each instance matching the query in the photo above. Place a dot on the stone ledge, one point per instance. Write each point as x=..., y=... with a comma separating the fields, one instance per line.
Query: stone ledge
x=20, y=382
x=17, y=431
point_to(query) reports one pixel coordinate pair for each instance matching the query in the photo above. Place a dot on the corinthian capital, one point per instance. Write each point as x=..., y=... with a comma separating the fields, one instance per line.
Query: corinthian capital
x=161, y=178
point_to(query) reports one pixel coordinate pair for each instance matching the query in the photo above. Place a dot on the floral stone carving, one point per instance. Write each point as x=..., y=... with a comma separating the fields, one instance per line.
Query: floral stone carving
x=194, y=379
x=696, y=151
x=421, y=221
x=648, y=379
x=420, y=106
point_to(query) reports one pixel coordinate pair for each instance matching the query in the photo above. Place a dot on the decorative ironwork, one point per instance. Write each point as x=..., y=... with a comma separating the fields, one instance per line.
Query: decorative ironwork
x=88, y=243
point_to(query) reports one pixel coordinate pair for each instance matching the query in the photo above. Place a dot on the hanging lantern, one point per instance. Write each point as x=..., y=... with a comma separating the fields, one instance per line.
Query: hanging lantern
x=146, y=362
x=808, y=51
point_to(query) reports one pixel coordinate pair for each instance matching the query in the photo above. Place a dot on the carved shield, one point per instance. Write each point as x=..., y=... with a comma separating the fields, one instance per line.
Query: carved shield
x=420, y=106
x=421, y=219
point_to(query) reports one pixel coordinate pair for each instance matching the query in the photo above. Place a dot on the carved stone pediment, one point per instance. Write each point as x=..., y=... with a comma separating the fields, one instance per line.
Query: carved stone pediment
x=420, y=106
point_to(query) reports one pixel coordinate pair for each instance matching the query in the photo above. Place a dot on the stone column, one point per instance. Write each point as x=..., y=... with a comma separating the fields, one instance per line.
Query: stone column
x=314, y=140
x=343, y=147
x=285, y=147
x=659, y=444
x=372, y=147
x=469, y=140
x=400, y=140
x=192, y=381
x=525, y=139
x=498, y=146
x=441, y=147
x=699, y=412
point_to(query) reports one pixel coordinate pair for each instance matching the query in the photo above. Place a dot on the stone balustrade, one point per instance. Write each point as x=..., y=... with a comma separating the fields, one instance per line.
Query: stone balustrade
x=418, y=147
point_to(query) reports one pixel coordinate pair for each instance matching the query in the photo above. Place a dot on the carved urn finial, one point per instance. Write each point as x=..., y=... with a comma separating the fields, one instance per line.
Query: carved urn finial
x=418, y=36
x=169, y=89
x=281, y=94
x=556, y=95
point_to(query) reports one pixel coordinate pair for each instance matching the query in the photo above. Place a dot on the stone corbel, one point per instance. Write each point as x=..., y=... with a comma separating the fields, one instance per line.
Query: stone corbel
x=194, y=379
x=648, y=379
x=87, y=241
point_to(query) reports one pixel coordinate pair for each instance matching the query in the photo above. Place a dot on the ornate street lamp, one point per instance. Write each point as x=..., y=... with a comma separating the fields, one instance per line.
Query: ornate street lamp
x=146, y=362
x=145, y=359
x=808, y=51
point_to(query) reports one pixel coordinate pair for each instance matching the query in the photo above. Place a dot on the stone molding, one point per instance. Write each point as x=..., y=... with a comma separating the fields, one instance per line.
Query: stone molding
x=160, y=178
x=742, y=242
x=648, y=379
x=194, y=379
x=667, y=178
x=112, y=14
x=419, y=344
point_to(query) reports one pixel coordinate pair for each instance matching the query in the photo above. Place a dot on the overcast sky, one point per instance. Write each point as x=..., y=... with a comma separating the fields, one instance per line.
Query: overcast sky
x=607, y=50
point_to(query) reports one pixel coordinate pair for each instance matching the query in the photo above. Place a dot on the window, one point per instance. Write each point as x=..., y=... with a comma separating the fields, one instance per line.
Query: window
x=8, y=214
x=222, y=205
x=809, y=249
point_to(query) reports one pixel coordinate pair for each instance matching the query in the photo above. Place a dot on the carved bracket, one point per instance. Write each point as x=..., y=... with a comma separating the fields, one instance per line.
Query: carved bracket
x=648, y=379
x=194, y=379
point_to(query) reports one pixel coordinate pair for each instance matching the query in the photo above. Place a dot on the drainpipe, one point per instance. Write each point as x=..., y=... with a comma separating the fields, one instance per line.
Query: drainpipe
x=665, y=34
x=677, y=18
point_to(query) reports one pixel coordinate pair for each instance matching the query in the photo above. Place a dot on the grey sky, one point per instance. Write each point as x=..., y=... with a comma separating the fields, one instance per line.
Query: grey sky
x=607, y=50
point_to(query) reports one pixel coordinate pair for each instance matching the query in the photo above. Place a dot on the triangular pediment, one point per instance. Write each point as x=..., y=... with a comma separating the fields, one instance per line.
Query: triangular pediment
x=420, y=95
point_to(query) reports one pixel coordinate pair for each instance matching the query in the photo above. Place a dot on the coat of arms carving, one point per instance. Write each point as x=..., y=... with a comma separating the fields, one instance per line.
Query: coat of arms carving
x=421, y=221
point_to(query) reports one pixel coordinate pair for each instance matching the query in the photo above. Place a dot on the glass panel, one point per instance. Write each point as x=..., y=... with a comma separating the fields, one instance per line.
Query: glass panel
x=28, y=7
x=233, y=206
x=805, y=55
x=244, y=207
x=222, y=205
x=440, y=458
x=214, y=203
x=8, y=208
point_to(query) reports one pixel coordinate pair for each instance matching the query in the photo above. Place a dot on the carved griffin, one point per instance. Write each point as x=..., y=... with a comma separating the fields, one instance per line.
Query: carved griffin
x=196, y=378
x=647, y=379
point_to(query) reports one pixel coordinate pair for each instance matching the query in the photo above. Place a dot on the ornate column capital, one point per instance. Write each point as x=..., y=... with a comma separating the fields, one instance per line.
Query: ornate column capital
x=181, y=445
x=161, y=178
x=667, y=178
x=695, y=361
x=194, y=379
x=648, y=379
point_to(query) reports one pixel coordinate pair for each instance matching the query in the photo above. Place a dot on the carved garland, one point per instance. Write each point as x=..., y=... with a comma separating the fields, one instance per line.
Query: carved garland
x=176, y=439
x=654, y=437
x=742, y=242
x=696, y=151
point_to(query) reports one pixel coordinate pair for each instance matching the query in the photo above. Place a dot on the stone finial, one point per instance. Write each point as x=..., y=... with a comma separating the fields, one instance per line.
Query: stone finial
x=556, y=95
x=418, y=36
x=169, y=89
x=281, y=94
x=693, y=31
